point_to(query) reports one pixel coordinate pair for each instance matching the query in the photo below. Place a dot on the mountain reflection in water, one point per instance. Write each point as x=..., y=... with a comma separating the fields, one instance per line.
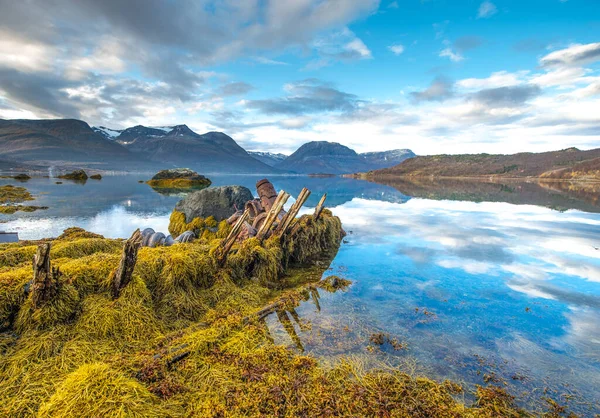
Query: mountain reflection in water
x=479, y=282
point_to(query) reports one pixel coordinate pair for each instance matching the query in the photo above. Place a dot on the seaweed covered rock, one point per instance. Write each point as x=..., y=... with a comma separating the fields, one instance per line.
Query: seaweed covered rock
x=22, y=177
x=77, y=175
x=218, y=202
x=178, y=178
x=96, y=177
x=10, y=196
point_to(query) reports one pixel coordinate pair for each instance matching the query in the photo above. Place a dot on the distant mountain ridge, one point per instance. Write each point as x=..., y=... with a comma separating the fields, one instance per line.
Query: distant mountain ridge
x=60, y=141
x=180, y=146
x=268, y=158
x=335, y=158
x=570, y=163
x=73, y=143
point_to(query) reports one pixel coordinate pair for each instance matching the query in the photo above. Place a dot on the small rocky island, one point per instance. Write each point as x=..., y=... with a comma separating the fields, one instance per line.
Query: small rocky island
x=178, y=178
x=77, y=175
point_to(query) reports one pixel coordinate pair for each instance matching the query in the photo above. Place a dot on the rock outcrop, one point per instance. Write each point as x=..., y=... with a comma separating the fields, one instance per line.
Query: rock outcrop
x=219, y=202
x=178, y=178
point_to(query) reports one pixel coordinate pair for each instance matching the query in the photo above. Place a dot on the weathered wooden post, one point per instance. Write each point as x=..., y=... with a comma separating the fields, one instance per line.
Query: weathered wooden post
x=123, y=274
x=291, y=215
x=45, y=278
x=228, y=242
x=273, y=214
x=320, y=207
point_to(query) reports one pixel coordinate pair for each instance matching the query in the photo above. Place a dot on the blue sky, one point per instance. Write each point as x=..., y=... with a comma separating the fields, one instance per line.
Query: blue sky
x=436, y=76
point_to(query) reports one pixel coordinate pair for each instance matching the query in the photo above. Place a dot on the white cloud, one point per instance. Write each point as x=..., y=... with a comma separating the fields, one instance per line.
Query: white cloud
x=397, y=49
x=454, y=56
x=25, y=55
x=497, y=79
x=486, y=9
x=574, y=55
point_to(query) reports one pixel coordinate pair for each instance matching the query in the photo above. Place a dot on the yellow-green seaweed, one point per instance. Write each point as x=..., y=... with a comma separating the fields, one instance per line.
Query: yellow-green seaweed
x=182, y=340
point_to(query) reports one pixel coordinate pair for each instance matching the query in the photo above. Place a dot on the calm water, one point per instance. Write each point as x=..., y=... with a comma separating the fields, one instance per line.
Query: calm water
x=479, y=282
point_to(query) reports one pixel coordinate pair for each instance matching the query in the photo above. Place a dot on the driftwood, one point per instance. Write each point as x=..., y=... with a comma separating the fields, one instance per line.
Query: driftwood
x=123, y=274
x=282, y=197
x=228, y=242
x=320, y=207
x=291, y=215
x=45, y=278
x=279, y=307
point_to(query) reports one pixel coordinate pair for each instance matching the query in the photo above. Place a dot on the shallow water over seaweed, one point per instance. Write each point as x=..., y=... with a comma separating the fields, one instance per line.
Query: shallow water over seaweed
x=486, y=284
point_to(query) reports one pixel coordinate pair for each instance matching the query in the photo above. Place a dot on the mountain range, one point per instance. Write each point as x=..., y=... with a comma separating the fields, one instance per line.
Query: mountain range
x=71, y=142
x=268, y=158
x=333, y=158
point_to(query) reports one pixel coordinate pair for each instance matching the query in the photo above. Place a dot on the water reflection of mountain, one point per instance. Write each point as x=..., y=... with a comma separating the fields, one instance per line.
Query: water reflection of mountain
x=71, y=199
x=555, y=195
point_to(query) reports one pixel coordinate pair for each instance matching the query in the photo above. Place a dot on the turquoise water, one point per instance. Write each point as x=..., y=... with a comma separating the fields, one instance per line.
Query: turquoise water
x=475, y=289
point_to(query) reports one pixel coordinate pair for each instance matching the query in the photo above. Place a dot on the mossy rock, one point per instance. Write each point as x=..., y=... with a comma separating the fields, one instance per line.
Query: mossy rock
x=178, y=178
x=77, y=175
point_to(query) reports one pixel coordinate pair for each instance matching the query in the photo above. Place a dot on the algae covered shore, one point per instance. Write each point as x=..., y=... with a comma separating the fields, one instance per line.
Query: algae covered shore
x=185, y=336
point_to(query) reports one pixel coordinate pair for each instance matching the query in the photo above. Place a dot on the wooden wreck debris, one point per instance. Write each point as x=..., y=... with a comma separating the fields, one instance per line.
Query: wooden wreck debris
x=266, y=193
x=291, y=215
x=123, y=274
x=320, y=207
x=228, y=242
x=255, y=207
x=282, y=197
x=45, y=277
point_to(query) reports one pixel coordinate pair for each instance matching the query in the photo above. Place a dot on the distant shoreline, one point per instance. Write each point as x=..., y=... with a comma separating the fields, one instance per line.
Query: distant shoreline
x=366, y=176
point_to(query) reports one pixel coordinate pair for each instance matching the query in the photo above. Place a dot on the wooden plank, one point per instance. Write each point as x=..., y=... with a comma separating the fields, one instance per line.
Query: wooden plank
x=320, y=207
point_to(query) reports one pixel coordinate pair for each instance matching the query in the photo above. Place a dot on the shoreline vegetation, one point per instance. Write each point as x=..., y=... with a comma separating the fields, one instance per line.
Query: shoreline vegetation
x=11, y=198
x=186, y=338
x=570, y=164
x=107, y=327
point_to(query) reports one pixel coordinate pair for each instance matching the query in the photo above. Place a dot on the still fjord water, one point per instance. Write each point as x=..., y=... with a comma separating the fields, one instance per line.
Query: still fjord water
x=476, y=289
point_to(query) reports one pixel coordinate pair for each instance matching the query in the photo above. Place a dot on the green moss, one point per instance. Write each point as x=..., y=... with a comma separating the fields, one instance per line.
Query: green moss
x=58, y=310
x=12, y=255
x=202, y=227
x=96, y=390
x=12, y=194
x=73, y=233
x=9, y=210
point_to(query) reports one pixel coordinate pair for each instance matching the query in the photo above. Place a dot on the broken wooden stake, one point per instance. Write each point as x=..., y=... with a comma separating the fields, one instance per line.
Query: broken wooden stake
x=320, y=207
x=228, y=242
x=282, y=197
x=123, y=274
x=291, y=215
x=45, y=278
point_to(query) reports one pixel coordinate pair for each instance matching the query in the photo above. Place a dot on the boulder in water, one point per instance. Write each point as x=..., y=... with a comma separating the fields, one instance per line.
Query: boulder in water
x=219, y=202
x=77, y=175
